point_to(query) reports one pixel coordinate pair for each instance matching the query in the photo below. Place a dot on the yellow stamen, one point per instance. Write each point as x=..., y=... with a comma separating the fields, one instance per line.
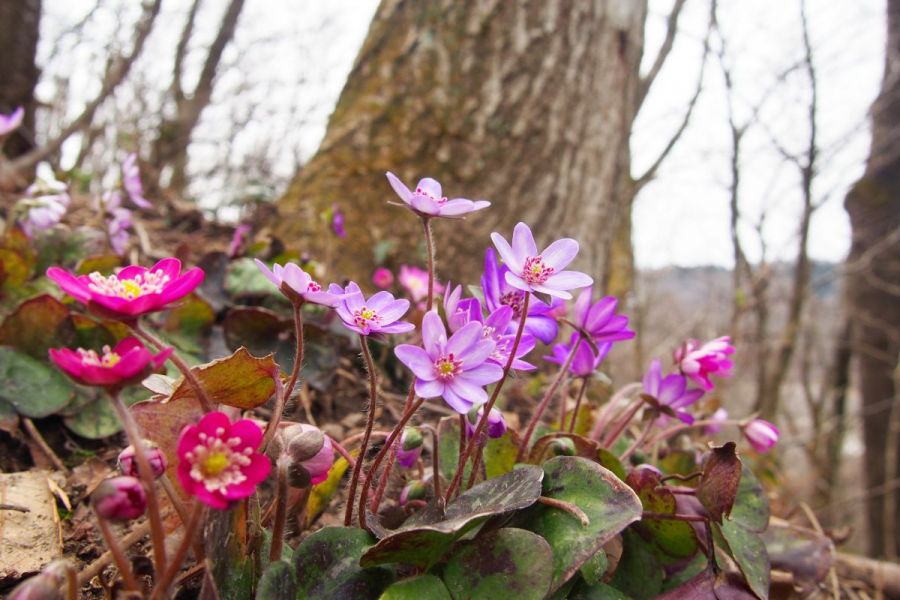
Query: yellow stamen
x=215, y=463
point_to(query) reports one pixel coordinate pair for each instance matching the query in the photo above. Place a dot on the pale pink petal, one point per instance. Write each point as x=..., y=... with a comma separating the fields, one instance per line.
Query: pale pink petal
x=461, y=341
x=523, y=244
x=506, y=253
x=484, y=374
x=434, y=336
x=399, y=187
x=560, y=253
x=429, y=389
x=431, y=187
x=417, y=360
x=468, y=390
x=568, y=280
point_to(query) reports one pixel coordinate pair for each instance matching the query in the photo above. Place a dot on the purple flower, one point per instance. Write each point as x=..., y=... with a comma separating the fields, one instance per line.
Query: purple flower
x=238, y=238
x=761, y=434
x=429, y=201
x=337, y=221
x=297, y=285
x=409, y=447
x=415, y=281
x=671, y=391
x=533, y=271
x=119, y=499
x=131, y=181
x=699, y=362
x=382, y=278
x=585, y=361
x=496, y=425
x=45, y=202
x=11, y=122
x=718, y=418
x=540, y=322
x=456, y=368
x=118, y=222
x=378, y=314
x=599, y=319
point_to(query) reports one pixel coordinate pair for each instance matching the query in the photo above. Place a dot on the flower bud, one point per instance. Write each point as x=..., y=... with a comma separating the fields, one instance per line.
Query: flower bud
x=409, y=447
x=128, y=463
x=39, y=587
x=412, y=438
x=298, y=476
x=414, y=490
x=308, y=447
x=119, y=499
x=761, y=434
x=58, y=571
x=305, y=445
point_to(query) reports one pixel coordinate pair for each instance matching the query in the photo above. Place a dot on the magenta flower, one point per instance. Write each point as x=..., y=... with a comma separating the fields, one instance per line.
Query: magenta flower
x=219, y=461
x=129, y=362
x=133, y=291
x=456, y=368
x=319, y=465
x=11, y=122
x=599, y=319
x=378, y=314
x=119, y=499
x=337, y=222
x=761, y=434
x=409, y=447
x=382, y=278
x=415, y=281
x=541, y=321
x=699, y=362
x=585, y=361
x=671, y=391
x=127, y=462
x=718, y=418
x=238, y=238
x=428, y=199
x=297, y=285
x=131, y=181
x=496, y=425
x=533, y=271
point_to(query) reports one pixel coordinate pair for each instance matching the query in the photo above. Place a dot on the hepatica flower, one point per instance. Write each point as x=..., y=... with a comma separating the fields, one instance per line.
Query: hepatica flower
x=129, y=362
x=219, y=461
x=533, y=271
x=119, y=499
x=337, y=222
x=456, y=369
x=378, y=314
x=428, y=199
x=496, y=425
x=118, y=222
x=297, y=285
x=409, y=447
x=321, y=462
x=133, y=291
x=382, y=278
x=45, y=202
x=540, y=321
x=131, y=181
x=415, y=281
x=699, y=362
x=671, y=391
x=585, y=361
x=11, y=122
x=761, y=434
x=599, y=319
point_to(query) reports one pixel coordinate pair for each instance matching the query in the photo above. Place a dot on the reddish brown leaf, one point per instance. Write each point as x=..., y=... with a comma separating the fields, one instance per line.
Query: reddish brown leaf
x=719, y=482
x=240, y=380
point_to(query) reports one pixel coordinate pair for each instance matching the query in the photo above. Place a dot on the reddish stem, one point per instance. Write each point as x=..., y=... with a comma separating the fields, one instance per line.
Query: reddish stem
x=370, y=423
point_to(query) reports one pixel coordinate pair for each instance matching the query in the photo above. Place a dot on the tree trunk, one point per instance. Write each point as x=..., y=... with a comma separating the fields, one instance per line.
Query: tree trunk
x=19, y=29
x=873, y=293
x=528, y=104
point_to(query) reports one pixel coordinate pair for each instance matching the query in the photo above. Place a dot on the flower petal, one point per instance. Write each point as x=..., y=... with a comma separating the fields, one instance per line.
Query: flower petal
x=506, y=253
x=568, y=280
x=523, y=244
x=418, y=361
x=463, y=340
x=560, y=253
x=483, y=374
x=468, y=390
x=434, y=336
x=430, y=186
x=399, y=187
x=429, y=389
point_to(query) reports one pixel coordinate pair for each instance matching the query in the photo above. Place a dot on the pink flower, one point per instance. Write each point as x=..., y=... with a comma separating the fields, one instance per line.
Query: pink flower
x=238, y=238
x=671, y=391
x=133, y=291
x=119, y=499
x=599, y=319
x=11, y=122
x=761, y=434
x=128, y=463
x=131, y=181
x=378, y=314
x=118, y=222
x=409, y=447
x=428, y=199
x=297, y=285
x=219, y=461
x=718, y=418
x=415, y=281
x=533, y=271
x=382, y=278
x=129, y=362
x=699, y=362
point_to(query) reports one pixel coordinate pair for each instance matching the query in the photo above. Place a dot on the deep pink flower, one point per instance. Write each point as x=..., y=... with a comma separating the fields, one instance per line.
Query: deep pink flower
x=699, y=362
x=456, y=369
x=409, y=447
x=378, y=314
x=671, y=391
x=131, y=181
x=11, y=122
x=382, y=278
x=119, y=499
x=496, y=425
x=128, y=463
x=415, y=281
x=761, y=434
x=428, y=199
x=297, y=285
x=533, y=271
x=585, y=361
x=599, y=319
x=129, y=362
x=133, y=291
x=219, y=461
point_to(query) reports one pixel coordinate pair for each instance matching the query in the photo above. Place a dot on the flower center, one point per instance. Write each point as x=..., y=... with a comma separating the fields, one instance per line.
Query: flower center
x=514, y=301
x=448, y=367
x=216, y=462
x=535, y=271
x=439, y=201
x=92, y=359
x=365, y=317
x=312, y=286
x=129, y=289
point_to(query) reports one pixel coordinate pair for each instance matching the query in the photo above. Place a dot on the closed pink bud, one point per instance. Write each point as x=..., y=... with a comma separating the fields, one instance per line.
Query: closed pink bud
x=761, y=434
x=39, y=587
x=157, y=459
x=119, y=499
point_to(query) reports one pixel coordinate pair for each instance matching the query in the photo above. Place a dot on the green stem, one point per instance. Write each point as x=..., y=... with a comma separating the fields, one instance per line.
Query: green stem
x=370, y=423
x=429, y=245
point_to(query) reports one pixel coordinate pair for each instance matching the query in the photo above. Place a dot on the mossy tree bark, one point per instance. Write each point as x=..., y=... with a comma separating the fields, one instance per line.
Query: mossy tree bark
x=528, y=104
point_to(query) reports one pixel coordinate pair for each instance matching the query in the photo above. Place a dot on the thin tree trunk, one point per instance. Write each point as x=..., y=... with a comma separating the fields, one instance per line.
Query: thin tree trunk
x=19, y=30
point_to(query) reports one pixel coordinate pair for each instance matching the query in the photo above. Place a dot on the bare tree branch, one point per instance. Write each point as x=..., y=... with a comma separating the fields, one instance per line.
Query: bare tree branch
x=181, y=52
x=664, y=50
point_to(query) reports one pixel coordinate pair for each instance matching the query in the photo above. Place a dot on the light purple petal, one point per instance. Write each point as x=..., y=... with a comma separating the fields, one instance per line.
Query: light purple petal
x=552, y=291
x=477, y=354
x=479, y=204
x=519, y=283
x=398, y=327
x=463, y=340
x=456, y=402
x=429, y=389
x=670, y=389
x=523, y=242
x=568, y=280
x=468, y=390
x=434, y=336
x=394, y=310
x=399, y=187
x=417, y=360
x=431, y=187
x=560, y=253
x=583, y=306
x=484, y=374
x=296, y=278
x=652, y=378
x=459, y=206
x=506, y=253
x=379, y=301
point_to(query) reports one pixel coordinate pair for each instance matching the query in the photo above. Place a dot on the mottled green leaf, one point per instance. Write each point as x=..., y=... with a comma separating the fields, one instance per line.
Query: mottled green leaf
x=673, y=538
x=598, y=591
x=751, y=509
x=96, y=420
x=639, y=575
x=749, y=552
x=327, y=564
x=421, y=587
x=278, y=582
x=500, y=454
x=34, y=388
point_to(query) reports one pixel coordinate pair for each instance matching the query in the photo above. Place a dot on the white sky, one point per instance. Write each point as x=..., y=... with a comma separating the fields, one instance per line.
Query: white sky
x=298, y=54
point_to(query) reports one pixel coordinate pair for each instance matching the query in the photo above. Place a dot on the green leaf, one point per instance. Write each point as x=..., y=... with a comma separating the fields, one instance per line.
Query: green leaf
x=501, y=564
x=244, y=278
x=14, y=269
x=638, y=574
x=584, y=447
x=678, y=462
x=749, y=552
x=609, y=504
x=421, y=587
x=240, y=380
x=448, y=443
x=277, y=582
x=193, y=316
x=593, y=570
x=719, y=481
x=500, y=454
x=611, y=461
x=675, y=539
x=95, y=421
x=751, y=509
x=102, y=263
x=260, y=330
x=34, y=388
x=598, y=591
x=38, y=324
x=327, y=565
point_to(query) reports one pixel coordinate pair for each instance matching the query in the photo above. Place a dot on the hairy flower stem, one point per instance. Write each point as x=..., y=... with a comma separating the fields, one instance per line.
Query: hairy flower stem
x=385, y=476
x=581, y=389
x=343, y=452
x=429, y=245
x=638, y=441
x=182, y=366
x=611, y=438
x=122, y=562
x=545, y=401
x=476, y=463
x=482, y=423
x=370, y=423
x=165, y=582
x=282, y=398
x=609, y=406
x=281, y=494
x=182, y=511
x=157, y=534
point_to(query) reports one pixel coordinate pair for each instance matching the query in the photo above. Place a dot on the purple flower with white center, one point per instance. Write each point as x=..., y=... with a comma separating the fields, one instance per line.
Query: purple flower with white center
x=429, y=201
x=533, y=271
x=699, y=362
x=585, y=361
x=337, y=222
x=378, y=314
x=409, y=447
x=540, y=322
x=297, y=285
x=131, y=181
x=670, y=391
x=457, y=368
x=415, y=281
x=599, y=319
x=761, y=434
x=11, y=122
x=496, y=425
